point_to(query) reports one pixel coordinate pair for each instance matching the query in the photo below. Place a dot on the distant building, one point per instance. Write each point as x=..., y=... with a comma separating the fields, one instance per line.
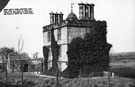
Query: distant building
x=66, y=30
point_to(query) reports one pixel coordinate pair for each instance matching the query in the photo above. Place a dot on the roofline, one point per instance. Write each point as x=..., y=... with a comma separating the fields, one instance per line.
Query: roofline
x=66, y=24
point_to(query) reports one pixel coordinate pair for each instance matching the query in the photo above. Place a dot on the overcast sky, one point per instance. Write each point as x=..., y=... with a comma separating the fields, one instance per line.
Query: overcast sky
x=119, y=14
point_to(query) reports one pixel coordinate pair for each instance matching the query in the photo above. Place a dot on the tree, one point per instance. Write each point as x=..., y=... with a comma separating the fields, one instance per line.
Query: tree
x=24, y=55
x=5, y=51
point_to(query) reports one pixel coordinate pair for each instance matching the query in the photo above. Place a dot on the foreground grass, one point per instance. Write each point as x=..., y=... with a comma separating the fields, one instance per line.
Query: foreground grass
x=125, y=71
x=65, y=82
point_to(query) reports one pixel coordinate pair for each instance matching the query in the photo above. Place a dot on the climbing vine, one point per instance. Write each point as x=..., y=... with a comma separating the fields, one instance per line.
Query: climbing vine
x=90, y=54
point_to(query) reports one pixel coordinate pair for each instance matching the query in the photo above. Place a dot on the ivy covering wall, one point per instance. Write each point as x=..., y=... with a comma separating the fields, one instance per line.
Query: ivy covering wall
x=90, y=54
x=55, y=53
x=45, y=54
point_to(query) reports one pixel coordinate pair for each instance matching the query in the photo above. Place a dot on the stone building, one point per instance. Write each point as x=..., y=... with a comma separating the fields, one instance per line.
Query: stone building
x=66, y=30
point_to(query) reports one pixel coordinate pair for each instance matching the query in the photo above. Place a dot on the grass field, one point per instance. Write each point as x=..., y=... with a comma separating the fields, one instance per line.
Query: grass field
x=76, y=82
x=124, y=69
x=32, y=80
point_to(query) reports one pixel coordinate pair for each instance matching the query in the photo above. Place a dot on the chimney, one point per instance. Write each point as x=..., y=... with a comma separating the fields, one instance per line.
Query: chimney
x=60, y=17
x=51, y=18
x=81, y=10
x=86, y=11
x=92, y=11
x=56, y=18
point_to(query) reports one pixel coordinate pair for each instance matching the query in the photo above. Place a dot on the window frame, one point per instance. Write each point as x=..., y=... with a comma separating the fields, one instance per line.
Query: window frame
x=49, y=36
x=60, y=50
x=59, y=34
